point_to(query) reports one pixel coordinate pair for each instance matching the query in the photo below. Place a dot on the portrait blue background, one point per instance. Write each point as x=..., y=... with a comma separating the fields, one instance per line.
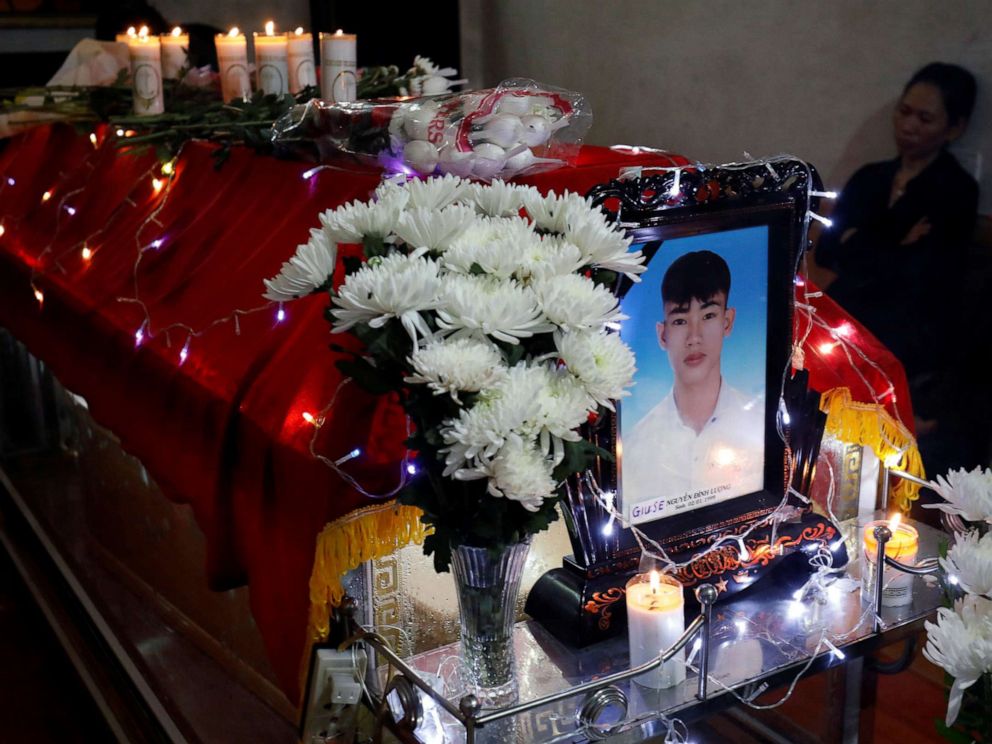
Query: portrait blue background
x=743, y=355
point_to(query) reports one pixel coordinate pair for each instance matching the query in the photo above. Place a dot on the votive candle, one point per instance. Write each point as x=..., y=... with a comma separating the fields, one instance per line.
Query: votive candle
x=232, y=61
x=271, y=61
x=338, y=74
x=146, y=73
x=302, y=72
x=897, y=586
x=125, y=37
x=175, y=53
x=655, y=620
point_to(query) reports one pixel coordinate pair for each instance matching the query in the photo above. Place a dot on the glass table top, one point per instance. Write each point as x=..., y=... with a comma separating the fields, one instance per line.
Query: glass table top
x=759, y=636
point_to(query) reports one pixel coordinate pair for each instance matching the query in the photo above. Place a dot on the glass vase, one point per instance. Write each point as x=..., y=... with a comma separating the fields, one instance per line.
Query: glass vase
x=487, y=585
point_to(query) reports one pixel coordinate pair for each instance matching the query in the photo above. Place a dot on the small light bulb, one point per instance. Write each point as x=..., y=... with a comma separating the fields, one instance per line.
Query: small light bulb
x=355, y=452
x=157, y=184
x=86, y=253
x=11, y=181
x=46, y=196
x=168, y=168
x=952, y=580
x=139, y=336
x=39, y=295
x=2, y=230
x=786, y=418
x=93, y=138
x=157, y=243
x=308, y=417
x=280, y=314
x=826, y=347
x=71, y=211
x=821, y=219
x=184, y=352
x=411, y=469
x=120, y=132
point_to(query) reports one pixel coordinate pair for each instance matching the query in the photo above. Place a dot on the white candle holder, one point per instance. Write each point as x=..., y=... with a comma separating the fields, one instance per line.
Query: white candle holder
x=146, y=74
x=232, y=61
x=175, y=53
x=272, y=62
x=338, y=73
x=302, y=71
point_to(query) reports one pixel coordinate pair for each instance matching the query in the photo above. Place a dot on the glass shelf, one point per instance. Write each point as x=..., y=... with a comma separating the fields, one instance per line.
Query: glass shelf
x=764, y=636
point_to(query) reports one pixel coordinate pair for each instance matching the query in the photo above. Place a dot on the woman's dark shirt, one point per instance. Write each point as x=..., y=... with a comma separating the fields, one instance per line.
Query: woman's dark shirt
x=904, y=294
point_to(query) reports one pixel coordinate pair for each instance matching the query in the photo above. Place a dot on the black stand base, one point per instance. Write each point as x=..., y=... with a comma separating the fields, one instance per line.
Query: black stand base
x=580, y=606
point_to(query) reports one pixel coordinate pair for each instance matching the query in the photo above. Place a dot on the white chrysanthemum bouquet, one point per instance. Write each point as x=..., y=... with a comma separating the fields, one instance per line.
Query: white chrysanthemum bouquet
x=960, y=642
x=487, y=307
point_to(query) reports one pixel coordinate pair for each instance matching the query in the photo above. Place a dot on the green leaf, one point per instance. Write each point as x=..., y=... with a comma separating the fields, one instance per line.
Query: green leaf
x=369, y=377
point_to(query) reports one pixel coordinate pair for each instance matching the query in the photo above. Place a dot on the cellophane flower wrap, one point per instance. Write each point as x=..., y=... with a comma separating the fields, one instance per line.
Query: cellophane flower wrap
x=488, y=309
x=519, y=127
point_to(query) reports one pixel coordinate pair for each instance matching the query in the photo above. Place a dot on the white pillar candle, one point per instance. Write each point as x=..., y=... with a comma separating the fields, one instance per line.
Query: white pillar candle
x=655, y=620
x=175, y=57
x=146, y=73
x=232, y=61
x=302, y=72
x=125, y=37
x=271, y=61
x=338, y=74
x=897, y=586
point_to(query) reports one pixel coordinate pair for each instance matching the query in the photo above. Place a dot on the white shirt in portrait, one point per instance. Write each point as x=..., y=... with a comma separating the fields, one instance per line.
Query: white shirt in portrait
x=668, y=468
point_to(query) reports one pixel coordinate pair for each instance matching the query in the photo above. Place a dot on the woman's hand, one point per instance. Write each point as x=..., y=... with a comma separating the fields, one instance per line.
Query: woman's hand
x=916, y=232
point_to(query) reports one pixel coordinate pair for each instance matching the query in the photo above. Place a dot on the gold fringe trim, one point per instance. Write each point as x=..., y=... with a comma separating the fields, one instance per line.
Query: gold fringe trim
x=869, y=424
x=359, y=536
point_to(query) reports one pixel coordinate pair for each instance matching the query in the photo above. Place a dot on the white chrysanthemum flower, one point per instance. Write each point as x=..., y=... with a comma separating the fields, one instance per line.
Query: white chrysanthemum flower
x=961, y=644
x=602, y=362
x=520, y=472
x=497, y=199
x=968, y=493
x=351, y=222
x=498, y=246
x=311, y=267
x=436, y=192
x=458, y=365
x=396, y=286
x=576, y=303
x=434, y=229
x=603, y=246
x=552, y=212
x=553, y=256
x=482, y=305
x=479, y=432
x=970, y=560
x=562, y=406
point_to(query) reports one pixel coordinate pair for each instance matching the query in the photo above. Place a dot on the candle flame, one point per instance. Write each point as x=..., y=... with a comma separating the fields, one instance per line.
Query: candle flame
x=270, y=28
x=339, y=32
x=87, y=253
x=177, y=31
x=233, y=32
x=299, y=31
x=131, y=31
x=655, y=581
x=143, y=32
x=894, y=522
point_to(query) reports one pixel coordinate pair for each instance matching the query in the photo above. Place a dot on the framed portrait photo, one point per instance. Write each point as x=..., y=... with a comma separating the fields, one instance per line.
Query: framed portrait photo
x=697, y=444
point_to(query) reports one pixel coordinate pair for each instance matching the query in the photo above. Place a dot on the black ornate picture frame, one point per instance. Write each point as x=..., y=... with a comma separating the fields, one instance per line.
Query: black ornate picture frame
x=661, y=210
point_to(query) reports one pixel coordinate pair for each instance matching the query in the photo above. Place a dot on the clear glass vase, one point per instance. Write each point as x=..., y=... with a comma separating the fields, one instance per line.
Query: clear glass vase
x=487, y=586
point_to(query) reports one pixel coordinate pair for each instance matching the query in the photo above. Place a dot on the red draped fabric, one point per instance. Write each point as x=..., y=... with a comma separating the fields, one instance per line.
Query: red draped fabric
x=223, y=430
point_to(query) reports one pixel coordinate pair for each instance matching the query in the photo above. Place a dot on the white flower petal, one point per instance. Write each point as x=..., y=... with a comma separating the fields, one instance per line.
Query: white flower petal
x=311, y=267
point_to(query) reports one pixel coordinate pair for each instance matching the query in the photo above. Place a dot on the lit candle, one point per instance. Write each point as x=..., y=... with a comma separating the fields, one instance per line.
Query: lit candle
x=655, y=620
x=175, y=57
x=125, y=37
x=337, y=66
x=301, y=67
x=146, y=73
x=271, y=63
x=897, y=586
x=232, y=61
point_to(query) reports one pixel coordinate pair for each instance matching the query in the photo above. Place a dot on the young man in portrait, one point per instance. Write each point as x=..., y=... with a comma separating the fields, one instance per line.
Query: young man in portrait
x=704, y=441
